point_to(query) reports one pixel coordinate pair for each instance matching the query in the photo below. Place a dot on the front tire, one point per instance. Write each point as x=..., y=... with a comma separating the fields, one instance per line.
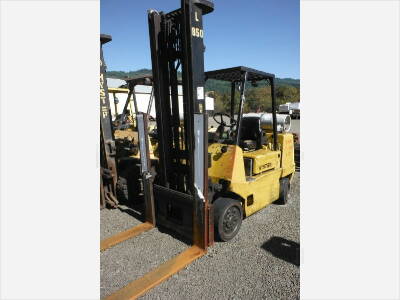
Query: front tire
x=228, y=215
x=122, y=190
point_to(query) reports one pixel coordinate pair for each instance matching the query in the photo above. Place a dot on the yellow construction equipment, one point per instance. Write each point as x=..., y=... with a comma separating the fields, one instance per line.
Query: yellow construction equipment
x=199, y=186
x=251, y=157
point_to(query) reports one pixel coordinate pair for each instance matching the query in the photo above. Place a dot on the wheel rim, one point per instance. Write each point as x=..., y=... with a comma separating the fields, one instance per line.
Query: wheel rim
x=231, y=220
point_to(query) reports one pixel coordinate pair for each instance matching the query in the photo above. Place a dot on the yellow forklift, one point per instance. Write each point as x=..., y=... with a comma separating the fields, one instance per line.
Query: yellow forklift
x=129, y=184
x=251, y=156
x=201, y=185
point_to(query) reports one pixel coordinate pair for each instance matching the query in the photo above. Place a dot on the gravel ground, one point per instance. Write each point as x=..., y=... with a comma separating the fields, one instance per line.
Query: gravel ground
x=261, y=262
x=133, y=258
x=117, y=220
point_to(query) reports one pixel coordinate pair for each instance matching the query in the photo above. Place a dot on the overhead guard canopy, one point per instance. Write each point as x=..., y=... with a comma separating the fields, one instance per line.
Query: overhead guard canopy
x=237, y=74
x=140, y=80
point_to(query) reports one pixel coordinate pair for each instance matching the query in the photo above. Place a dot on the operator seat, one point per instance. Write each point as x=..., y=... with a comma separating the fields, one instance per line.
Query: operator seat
x=251, y=133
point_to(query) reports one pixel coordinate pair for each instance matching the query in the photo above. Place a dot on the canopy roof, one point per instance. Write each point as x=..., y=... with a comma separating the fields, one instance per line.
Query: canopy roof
x=142, y=80
x=237, y=74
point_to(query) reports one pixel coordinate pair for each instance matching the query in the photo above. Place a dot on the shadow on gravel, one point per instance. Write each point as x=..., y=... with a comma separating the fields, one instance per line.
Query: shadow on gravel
x=137, y=210
x=175, y=235
x=136, y=213
x=283, y=249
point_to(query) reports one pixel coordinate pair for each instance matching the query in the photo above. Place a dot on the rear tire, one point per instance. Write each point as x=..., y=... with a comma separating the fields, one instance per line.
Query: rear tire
x=228, y=215
x=122, y=190
x=284, y=187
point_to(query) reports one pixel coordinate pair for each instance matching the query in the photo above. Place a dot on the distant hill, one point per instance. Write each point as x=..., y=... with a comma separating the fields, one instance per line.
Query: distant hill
x=288, y=81
x=211, y=85
x=123, y=74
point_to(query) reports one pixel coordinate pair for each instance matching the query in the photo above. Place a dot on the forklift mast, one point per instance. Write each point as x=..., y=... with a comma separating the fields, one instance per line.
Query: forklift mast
x=177, y=47
x=108, y=171
x=177, y=198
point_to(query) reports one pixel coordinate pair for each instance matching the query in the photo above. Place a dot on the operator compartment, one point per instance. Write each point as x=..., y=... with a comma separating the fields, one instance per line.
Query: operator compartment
x=258, y=157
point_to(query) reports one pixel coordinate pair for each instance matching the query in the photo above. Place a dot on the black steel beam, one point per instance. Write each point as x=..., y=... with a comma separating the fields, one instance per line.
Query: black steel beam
x=145, y=167
x=274, y=125
x=157, y=43
x=241, y=104
x=233, y=90
x=107, y=142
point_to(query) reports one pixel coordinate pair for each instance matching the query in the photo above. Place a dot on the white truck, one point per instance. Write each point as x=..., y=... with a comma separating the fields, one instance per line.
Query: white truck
x=290, y=108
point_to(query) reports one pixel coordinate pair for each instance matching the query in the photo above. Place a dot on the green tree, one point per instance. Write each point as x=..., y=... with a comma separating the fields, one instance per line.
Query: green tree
x=287, y=93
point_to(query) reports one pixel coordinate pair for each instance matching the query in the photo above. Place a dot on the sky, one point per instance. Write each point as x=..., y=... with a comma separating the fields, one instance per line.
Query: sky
x=260, y=34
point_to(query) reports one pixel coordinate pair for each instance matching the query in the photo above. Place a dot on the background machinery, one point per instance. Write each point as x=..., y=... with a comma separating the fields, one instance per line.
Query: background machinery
x=290, y=108
x=119, y=150
x=130, y=185
x=108, y=163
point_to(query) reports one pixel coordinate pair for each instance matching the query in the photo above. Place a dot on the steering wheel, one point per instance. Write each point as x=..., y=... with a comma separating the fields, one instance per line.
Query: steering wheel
x=222, y=122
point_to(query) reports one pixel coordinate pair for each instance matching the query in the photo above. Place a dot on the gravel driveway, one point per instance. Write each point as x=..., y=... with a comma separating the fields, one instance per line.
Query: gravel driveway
x=261, y=262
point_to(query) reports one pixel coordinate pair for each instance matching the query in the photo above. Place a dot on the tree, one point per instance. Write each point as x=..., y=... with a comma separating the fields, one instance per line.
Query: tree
x=287, y=93
x=258, y=99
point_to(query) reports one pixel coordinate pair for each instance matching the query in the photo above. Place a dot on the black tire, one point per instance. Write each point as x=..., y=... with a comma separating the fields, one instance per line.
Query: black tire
x=129, y=188
x=228, y=215
x=284, y=187
x=122, y=190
